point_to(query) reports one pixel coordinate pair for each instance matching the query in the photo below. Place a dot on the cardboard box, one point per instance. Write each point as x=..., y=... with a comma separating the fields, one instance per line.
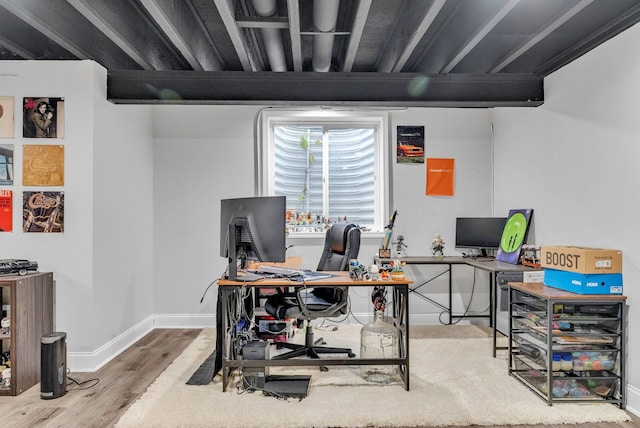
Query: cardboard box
x=581, y=259
x=581, y=283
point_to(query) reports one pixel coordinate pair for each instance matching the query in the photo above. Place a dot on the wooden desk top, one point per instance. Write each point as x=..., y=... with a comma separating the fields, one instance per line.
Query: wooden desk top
x=541, y=290
x=340, y=278
x=425, y=260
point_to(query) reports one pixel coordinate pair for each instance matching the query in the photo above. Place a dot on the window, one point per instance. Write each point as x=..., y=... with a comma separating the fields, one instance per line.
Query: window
x=328, y=164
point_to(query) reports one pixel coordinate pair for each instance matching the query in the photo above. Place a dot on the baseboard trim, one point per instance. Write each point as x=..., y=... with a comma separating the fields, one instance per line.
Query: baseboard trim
x=93, y=361
x=633, y=400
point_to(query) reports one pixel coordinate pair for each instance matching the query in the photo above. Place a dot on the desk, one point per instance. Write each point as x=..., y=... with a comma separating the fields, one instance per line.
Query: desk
x=494, y=267
x=491, y=266
x=448, y=261
x=229, y=293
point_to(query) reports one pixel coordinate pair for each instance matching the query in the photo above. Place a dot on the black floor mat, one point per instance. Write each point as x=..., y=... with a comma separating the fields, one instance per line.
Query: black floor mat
x=206, y=372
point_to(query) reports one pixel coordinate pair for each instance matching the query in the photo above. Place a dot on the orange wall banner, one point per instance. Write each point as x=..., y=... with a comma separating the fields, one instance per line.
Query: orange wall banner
x=440, y=176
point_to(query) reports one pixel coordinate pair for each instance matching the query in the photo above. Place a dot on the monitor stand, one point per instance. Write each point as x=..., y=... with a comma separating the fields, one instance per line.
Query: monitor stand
x=233, y=262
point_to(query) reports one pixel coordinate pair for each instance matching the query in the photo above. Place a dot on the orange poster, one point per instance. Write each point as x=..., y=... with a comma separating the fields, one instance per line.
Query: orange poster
x=440, y=176
x=6, y=210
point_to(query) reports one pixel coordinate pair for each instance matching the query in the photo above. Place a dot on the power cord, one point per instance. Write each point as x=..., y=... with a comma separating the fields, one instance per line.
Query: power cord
x=79, y=384
x=211, y=283
x=467, y=306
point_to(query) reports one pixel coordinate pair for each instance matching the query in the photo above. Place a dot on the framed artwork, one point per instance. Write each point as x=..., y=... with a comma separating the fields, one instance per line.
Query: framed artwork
x=410, y=144
x=6, y=210
x=6, y=164
x=43, y=212
x=43, y=117
x=6, y=117
x=514, y=235
x=42, y=165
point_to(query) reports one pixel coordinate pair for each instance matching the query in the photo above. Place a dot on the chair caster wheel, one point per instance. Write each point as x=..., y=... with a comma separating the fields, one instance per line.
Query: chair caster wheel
x=351, y=355
x=324, y=369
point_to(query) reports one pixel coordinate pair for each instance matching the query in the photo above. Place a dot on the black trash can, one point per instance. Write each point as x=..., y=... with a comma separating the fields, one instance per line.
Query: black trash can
x=53, y=365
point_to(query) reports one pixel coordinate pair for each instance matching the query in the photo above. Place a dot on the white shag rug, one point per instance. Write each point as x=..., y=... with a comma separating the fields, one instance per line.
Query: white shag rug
x=453, y=382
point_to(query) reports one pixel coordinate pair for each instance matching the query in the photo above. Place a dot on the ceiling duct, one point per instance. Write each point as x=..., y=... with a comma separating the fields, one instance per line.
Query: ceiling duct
x=325, y=17
x=271, y=37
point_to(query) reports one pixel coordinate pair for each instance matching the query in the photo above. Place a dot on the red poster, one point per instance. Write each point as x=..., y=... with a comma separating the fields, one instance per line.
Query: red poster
x=440, y=177
x=6, y=210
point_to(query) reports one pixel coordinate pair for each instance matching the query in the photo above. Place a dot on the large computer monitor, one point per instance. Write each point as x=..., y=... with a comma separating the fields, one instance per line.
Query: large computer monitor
x=480, y=233
x=252, y=229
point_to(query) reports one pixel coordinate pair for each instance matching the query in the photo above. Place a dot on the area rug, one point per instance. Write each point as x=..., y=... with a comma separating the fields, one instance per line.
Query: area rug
x=453, y=382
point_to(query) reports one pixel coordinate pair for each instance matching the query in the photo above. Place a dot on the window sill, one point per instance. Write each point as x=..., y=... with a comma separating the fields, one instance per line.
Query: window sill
x=316, y=235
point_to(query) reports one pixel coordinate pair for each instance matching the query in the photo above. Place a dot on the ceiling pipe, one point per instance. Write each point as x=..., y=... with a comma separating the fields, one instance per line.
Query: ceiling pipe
x=325, y=17
x=271, y=37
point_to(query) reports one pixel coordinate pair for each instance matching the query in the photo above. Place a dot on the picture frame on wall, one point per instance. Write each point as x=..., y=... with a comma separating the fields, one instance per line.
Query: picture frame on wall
x=42, y=165
x=6, y=117
x=43, y=117
x=410, y=144
x=43, y=212
x=6, y=164
x=6, y=210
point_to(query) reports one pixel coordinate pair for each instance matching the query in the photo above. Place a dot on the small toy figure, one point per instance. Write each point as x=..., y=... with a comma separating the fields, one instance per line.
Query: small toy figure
x=6, y=377
x=400, y=245
x=5, y=325
x=437, y=245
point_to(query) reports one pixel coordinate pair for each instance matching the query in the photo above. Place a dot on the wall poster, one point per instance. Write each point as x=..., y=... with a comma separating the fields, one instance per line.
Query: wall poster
x=514, y=235
x=43, y=117
x=6, y=117
x=440, y=177
x=410, y=144
x=6, y=210
x=43, y=212
x=42, y=165
x=6, y=164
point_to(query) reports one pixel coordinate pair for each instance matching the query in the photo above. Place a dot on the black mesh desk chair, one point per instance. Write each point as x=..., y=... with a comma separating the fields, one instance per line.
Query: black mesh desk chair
x=342, y=243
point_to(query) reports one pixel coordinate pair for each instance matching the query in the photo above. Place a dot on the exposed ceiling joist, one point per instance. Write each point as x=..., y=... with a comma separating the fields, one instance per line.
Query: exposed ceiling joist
x=181, y=25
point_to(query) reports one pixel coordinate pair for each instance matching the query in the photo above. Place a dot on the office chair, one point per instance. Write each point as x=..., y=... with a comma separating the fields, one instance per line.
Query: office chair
x=342, y=243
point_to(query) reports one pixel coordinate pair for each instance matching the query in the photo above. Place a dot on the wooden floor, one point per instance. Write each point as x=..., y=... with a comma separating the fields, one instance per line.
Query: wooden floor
x=122, y=381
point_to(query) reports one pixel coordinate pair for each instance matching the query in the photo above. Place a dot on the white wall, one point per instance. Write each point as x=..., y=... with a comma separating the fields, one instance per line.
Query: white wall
x=575, y=161
x=206, y=153
x=102, y=261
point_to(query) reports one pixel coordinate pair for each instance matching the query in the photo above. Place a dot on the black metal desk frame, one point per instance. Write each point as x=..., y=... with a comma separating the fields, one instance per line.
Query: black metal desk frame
x=229, y=292
x=491, y=266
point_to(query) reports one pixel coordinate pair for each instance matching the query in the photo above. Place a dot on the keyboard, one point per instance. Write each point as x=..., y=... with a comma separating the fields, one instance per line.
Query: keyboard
x=299, y=274
x=278, y=271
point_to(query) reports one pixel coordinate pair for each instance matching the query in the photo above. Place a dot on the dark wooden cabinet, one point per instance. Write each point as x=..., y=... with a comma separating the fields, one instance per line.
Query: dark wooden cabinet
x=28, y=302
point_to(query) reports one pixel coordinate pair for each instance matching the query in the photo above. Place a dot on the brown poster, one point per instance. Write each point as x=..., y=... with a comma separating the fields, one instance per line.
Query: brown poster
x=43, y=165
x=43, y=212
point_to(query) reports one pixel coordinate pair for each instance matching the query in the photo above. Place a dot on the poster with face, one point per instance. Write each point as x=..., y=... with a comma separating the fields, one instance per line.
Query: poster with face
x=43, y=117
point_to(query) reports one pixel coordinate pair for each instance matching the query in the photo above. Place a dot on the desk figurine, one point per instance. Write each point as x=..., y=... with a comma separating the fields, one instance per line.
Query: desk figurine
x=400, y=246
x=437, y=245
